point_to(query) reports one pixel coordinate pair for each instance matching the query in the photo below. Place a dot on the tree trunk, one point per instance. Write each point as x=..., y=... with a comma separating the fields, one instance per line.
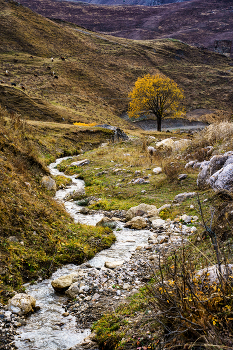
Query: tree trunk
x=159, y=122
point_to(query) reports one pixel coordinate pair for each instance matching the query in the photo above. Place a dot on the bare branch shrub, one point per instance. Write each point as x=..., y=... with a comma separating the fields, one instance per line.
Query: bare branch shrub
x=195, y=306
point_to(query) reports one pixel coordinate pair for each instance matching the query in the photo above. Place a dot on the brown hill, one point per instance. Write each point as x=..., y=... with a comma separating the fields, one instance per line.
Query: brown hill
x=196, y=22
x=92, y=81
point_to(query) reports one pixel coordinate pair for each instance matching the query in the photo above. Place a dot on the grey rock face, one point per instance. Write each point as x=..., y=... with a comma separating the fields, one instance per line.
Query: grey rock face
x=222, y=179
x=217, y=172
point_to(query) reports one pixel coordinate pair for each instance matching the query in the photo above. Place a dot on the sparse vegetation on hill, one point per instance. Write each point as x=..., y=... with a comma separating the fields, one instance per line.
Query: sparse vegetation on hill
x=92, y=83
x=196, y=22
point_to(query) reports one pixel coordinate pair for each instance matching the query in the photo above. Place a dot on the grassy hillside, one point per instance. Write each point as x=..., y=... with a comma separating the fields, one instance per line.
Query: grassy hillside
x=93, y=81
x=36, y=233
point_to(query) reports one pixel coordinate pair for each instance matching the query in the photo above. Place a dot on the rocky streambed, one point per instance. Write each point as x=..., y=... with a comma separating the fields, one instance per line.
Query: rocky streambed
x=95, y=287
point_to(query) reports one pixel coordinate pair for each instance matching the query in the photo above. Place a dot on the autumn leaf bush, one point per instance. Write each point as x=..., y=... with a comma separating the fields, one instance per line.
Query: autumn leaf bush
x=192, y=308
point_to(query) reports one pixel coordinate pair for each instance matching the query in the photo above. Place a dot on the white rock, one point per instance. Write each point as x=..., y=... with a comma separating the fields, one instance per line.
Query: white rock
x=157, y=170
x=162, y=239
x=186, y=218
x=158, y=223
x=126, y=286
x=165, y=206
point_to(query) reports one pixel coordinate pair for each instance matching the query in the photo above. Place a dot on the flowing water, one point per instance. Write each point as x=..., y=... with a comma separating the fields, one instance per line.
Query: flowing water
x=48, y=329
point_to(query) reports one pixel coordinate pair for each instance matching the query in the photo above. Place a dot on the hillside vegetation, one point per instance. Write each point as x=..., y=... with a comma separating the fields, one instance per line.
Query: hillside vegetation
x=92, y=83
x=36, y=233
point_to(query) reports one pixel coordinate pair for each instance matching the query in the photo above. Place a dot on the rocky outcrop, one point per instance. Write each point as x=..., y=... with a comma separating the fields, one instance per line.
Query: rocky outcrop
x=21, y=304
x=217, y=172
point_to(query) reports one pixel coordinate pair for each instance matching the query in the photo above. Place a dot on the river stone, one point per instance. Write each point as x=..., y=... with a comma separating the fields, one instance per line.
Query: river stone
x=113, y=264
x=137, y=223
x=21, y=304
x=162, y=239
x=62, y=283
x=158, y=223
x=106, y=222
x=76, y=195
x=143, y=209
x=48, y=183
x=73, y=290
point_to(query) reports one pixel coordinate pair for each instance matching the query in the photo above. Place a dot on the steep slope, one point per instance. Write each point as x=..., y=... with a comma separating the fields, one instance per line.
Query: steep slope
x=196, y=22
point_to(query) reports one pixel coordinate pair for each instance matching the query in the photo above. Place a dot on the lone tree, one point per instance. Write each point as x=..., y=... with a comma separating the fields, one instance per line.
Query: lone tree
x=155, y=96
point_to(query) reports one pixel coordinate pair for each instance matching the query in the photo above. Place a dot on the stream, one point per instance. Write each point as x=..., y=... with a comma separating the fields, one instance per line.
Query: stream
x=49, y=328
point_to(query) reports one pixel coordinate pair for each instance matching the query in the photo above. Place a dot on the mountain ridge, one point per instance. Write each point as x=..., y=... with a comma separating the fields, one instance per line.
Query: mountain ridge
x=196, y=22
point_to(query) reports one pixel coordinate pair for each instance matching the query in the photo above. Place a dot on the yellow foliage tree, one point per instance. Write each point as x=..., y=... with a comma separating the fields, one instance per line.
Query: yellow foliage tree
x=155, y=96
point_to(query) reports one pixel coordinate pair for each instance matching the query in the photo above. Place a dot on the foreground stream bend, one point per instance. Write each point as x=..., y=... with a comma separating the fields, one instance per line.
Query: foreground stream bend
x=50, y=328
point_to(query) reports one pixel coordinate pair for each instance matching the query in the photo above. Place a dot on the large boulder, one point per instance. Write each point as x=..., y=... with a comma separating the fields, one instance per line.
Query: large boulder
x=141, y=210
x=137, y=223
x=21, y=304
x=48, y=183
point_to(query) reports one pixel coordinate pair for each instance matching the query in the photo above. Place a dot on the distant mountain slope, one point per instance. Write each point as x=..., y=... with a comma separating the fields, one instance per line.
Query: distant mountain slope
x=129, y=2
x=196, y=22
